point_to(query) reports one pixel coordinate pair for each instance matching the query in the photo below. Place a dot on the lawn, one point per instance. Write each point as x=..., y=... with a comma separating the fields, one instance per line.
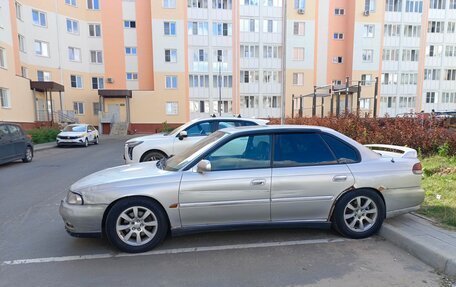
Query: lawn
x=439, y=182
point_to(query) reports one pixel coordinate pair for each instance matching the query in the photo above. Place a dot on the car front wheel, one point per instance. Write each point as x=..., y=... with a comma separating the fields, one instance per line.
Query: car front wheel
x=86, y=143
x=359, y=213
x=152, y=156
x=136, y=225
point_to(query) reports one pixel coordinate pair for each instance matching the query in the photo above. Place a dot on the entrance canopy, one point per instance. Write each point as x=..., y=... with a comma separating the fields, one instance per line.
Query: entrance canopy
x=115, y=93
x=45, y=86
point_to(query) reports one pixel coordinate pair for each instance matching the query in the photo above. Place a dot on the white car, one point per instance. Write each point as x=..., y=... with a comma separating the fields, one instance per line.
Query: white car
x=78, y=134
x=158, y=146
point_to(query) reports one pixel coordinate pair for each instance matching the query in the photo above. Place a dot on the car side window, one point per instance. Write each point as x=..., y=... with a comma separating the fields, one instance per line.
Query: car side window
x=245, y=152
x=226, y=124
x=91, y=128
x=4, y=131
x=247, y=123
x=15, y=131
x=199, y=129
x=301, y=149
x=343, y=151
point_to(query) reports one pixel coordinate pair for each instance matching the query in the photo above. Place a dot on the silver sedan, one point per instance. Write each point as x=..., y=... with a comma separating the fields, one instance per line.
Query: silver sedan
x=248, y=177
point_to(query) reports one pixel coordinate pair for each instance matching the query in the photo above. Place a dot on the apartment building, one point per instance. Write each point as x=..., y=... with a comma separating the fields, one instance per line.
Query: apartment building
x=145, y=62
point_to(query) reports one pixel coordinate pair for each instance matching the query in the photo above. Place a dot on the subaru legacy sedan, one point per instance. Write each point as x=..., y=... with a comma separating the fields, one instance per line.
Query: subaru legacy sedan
x=239, y=177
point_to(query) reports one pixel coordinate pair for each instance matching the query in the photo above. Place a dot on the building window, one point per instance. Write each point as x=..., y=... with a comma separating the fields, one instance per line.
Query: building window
x=393, y=5
x=434, y=50
x=96, y=108
x=198, y=28
x=452, y=4
x=225, y=81
x=132, y=76
x=338, y=60
x=272, y=77
x=18, y=10
x=390, y=54
x=249, y=77
x=172, y=108
x=449, y=75
x=436, y=26
x=410, y=55
x=78, y=108
x=298, y=54
x=2, y=58
x=250, y=25
x=366, y=79
x=96, y=57
x=432, y=74
x=97, y=83
x=43, y=76
x=300, y=4
x=392, y=30
x=171, y=55
x=437, y=4
x=339, y=11
x=270, y=26
x=71, y=2
x=338, y=36
x=93, y=4
x=450, y=51
x=72, y=26
x=430, y=97
x=274, y=52
x=299, y=28
x=76, y=81
x=414, y=6
x=94, y=30
x=368, y=31
x=74, y=54
x=448, y=98
x=221, y=29
x=249, y=2
x=451, y=28
x=130, y=51
x=24, y=72
x=39, y=18
x=368, y=56
x=171, y=82
x=198, y=81
x=337, y=82
x=129, y=24
x=412, y=31
x=5, y=100
x=41, y=48
x=197, y=4
x=169, y=4
x=169, y=28
x=250, y=51
x=409, y=78
x=249, y=102
x=222, y=4
x=389, y=79
x=369, y=5
x=298, y=79
x=21, y=40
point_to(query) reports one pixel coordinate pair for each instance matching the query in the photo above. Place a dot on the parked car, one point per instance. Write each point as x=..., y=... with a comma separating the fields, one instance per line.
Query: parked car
x=78, y=134
x=14, y=144
x=250, y=176
x=158, y=146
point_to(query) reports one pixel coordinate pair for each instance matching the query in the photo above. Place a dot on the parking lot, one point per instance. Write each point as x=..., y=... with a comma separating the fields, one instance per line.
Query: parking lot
x=36, y=251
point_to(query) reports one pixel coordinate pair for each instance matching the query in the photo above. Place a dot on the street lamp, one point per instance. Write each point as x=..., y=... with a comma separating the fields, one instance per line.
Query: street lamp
x=219, y=59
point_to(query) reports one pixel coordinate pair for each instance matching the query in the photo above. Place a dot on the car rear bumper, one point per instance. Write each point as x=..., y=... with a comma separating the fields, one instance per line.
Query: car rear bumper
x=402, y=200
x=82, y=220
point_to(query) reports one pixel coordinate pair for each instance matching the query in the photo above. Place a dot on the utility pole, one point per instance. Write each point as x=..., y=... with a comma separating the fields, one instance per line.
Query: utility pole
x=219, y=59
x=375, y=97
x=284, y=60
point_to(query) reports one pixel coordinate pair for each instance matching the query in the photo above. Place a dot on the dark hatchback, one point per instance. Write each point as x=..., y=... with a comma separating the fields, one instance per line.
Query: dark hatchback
x=14, y=144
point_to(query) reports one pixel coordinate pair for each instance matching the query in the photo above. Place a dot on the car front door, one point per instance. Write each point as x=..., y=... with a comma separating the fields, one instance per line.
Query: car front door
x=195, y=133
x=91, y=133
x=306, y=178
x=19, y=140
x=6, y=144
x=237, y=188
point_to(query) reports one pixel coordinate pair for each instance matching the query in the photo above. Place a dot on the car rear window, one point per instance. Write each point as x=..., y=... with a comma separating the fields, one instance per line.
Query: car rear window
x=343, y=151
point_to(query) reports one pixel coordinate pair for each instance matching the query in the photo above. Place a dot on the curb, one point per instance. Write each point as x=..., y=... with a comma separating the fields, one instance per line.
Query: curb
x=420, y=248
x=39, y=148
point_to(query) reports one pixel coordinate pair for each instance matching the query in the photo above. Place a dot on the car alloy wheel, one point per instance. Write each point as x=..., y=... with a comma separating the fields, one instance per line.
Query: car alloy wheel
x=96, y=140
x=152, y=156
x=86, y=143
x=360, y=214
x=136, y=225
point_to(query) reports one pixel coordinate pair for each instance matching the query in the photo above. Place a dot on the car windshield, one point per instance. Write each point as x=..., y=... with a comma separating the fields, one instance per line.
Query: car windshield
x=180, y=160
x=78, y=128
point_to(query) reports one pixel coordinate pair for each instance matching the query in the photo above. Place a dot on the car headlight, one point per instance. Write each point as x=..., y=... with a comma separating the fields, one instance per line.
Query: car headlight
x=130, y=146
x=74, y=198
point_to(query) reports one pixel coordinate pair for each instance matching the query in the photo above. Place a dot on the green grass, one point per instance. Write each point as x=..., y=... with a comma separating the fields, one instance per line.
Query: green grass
x=439, y=183
x=43, y=135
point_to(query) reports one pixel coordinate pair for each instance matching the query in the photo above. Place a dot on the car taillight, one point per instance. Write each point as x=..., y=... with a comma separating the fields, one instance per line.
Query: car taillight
x=417, y=168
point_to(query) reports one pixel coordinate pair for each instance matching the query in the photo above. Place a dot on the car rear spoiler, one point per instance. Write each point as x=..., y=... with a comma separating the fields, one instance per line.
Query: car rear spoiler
x=392, y=150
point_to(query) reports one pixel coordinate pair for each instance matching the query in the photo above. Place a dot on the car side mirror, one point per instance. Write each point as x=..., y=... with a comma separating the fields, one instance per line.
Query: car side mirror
x=182, y=135
x=203, y=166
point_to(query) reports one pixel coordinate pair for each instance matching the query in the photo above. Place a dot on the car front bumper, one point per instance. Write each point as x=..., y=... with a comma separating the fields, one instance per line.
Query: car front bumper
x=78, y=141
x=82, y=220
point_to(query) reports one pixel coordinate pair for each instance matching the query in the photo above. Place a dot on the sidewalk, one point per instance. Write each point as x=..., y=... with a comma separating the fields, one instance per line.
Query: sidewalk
x=44, y=146
x=418, y=236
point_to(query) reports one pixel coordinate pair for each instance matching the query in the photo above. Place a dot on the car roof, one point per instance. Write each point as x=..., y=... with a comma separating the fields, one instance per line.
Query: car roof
x=229, y=119
x=274, y=128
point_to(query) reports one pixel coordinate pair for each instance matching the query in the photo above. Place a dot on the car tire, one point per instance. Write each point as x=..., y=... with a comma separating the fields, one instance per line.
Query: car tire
x=152, y=156
x=359, y=213
x=28, y=157
x=86, y=143
x=96, y=141
x=151, y=229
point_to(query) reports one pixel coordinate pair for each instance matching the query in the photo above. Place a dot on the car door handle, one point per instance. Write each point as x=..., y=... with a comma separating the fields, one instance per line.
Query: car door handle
x=258, y=182
x=339, y=178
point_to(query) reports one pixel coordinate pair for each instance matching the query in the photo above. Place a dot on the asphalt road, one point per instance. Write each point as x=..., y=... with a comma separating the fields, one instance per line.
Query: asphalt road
x=36, y=251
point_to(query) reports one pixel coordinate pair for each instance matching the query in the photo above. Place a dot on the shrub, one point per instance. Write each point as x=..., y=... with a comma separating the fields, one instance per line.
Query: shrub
x=166, y=128
x=43, y=135
x=427, y=136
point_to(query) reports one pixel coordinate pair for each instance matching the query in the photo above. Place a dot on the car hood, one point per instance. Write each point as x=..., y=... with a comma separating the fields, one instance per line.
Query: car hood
x=119, y=173
x=71, y=134
x=150, y=137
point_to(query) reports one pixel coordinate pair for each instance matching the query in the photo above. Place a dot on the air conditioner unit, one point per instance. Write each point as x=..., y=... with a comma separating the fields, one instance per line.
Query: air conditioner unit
x=366, y=13
x=301, y=11
x=110, y=80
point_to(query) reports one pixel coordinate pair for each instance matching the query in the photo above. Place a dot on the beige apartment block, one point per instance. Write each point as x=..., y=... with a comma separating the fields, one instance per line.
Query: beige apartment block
x=145, y=62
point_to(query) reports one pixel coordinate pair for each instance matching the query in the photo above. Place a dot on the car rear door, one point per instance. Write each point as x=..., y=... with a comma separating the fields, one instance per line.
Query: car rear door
x=18, y=139
x=306, y=177
x=6, y=144
x=235, y=191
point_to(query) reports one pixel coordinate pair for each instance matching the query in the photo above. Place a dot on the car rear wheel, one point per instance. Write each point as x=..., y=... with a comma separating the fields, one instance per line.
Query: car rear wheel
x=28, y=154
x=152, y=156
x=136, y=225
x=359, y=213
